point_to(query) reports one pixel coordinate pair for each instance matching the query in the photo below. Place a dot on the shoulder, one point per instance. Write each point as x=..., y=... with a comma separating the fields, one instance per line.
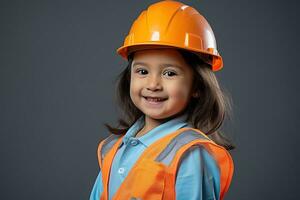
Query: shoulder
x=210, y=162
x=196, y=158
x=198, y=175
x=195, y=133
x=108, y=142
x=197, y=155
x=105, y=145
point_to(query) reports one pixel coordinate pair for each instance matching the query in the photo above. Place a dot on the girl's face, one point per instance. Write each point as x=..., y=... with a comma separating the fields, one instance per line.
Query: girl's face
x=161, y=82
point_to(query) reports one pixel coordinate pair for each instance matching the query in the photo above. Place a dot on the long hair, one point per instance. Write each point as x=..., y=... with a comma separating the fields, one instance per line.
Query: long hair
x=206, y=112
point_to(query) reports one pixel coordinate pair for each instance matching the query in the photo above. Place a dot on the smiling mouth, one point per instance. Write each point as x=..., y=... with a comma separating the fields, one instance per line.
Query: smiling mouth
x=155, y=99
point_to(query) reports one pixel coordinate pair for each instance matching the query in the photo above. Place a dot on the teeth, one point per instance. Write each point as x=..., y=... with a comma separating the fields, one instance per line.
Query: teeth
x=154, y=99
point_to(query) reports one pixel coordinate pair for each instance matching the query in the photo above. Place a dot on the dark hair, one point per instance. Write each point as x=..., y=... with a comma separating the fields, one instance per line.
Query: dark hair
x=206, y=113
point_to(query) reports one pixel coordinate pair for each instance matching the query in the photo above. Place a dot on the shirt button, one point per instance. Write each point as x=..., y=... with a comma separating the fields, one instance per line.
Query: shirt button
x=134, y=142
x=121, y=170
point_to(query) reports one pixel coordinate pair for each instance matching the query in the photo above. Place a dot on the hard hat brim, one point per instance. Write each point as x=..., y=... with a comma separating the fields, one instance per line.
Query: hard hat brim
x=216, y=61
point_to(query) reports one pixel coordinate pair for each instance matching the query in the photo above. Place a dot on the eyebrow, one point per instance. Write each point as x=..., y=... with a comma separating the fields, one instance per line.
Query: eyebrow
x=161, y=65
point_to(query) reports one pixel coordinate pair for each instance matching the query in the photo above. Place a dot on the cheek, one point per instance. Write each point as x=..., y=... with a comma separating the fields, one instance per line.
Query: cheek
x=178, y=91
x=134, y=88
x=180, y=88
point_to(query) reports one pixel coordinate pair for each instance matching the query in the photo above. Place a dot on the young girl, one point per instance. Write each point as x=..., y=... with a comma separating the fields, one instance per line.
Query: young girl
x=169, y=146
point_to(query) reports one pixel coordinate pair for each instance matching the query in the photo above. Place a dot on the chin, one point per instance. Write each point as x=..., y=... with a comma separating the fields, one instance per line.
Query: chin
x=155, y=116
x=159, y=116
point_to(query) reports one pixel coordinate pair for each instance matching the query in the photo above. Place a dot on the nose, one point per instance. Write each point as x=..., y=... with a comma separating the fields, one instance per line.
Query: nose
x=154, y=83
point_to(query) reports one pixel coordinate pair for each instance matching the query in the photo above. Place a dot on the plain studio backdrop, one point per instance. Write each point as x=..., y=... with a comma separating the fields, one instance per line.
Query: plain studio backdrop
x=58, y=66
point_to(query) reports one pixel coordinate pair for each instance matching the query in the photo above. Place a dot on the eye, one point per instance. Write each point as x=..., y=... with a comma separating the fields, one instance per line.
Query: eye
x=141, y=71
x=170, y=73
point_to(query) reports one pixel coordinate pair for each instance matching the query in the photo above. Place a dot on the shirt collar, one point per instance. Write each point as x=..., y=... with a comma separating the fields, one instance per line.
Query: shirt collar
x=157, y=132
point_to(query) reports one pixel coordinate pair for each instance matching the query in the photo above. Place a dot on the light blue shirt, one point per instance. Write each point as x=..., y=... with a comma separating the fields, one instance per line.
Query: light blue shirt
x=198, y=175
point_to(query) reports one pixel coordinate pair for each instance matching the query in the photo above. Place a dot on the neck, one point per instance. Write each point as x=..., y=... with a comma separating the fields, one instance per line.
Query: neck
x=151, y=123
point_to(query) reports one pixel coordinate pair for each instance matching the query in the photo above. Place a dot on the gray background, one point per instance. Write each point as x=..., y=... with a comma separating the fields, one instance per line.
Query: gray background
x=58, y=65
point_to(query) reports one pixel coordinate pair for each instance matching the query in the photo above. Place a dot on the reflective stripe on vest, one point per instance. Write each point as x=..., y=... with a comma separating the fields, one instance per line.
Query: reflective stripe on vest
x=106, y=145
x=153, y=175
x=167, y=155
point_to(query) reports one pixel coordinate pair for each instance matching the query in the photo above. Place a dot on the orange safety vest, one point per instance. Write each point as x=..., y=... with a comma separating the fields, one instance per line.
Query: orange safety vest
x=153, y=175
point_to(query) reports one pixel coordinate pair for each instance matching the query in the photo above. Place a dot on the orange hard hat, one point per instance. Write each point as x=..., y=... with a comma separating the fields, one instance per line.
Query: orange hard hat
x=173, y=24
